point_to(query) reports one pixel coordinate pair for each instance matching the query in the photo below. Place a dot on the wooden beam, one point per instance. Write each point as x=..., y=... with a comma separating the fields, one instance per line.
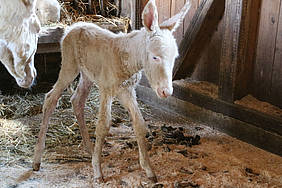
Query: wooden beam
x=238, y=48
x=176, y=6
x=254, y=127
x=51, y=35
x=197, y=36
x=46, y=48
x=276, y=86
x=49, y=40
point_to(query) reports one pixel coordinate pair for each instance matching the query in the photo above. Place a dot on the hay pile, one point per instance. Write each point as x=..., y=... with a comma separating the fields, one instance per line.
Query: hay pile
x=73, y=11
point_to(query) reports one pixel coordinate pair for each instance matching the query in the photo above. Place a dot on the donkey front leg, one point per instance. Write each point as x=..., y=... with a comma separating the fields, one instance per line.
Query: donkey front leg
x=128, y=99
x=78, y=103
x=102, y=130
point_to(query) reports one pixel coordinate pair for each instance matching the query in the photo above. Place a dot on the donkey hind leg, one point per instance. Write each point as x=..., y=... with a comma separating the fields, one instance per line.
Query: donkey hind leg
x=102, y=130
x=51, y=99
x=78, y=102
x=128, y=99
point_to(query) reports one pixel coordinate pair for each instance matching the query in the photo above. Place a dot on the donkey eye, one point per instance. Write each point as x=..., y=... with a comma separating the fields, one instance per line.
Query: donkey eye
x=156, y=58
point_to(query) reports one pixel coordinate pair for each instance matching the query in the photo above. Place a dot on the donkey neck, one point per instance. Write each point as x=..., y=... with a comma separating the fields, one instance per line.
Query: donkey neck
x=133, y=51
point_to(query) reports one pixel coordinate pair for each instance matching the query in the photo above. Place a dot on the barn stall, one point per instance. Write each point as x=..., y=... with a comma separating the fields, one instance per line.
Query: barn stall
x=227, y=82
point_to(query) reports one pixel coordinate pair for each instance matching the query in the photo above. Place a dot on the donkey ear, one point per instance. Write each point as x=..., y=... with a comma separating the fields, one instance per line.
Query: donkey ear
x=173, y=22
x=27, y=3
x=150, y=16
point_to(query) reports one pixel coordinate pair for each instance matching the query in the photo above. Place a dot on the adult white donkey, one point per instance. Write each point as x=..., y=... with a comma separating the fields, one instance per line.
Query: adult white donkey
x=114, y=62
x=19, y=28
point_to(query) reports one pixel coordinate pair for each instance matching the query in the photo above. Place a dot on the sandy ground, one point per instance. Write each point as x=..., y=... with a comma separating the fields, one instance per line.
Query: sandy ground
x=217, y=161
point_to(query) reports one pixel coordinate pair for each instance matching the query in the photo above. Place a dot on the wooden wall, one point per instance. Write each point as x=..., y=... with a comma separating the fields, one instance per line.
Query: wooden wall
x=267, y=78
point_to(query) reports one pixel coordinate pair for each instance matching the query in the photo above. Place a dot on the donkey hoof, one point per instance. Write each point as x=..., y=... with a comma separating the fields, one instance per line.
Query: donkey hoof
x=153, y=179
x=36, y=166
x=99, y=180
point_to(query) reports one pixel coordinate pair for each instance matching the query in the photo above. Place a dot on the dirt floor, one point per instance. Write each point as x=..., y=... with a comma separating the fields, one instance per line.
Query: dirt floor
x=183, y=153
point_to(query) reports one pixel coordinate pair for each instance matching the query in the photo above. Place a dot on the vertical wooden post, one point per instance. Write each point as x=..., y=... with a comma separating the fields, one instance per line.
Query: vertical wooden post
x=239, y=42
x=102, y=8
x=133, y=8
x=267, y=50
x=139, y=6
x=276, y=85
x=138, y=21
x=90, y=7
x=176, y=6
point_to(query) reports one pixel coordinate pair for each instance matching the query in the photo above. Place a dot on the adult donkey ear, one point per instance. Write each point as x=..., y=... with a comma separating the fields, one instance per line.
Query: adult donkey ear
x=173, y=22
x=150, y=16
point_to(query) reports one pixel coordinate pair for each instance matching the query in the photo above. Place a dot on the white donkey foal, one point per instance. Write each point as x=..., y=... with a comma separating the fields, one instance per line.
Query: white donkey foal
x=114, y=62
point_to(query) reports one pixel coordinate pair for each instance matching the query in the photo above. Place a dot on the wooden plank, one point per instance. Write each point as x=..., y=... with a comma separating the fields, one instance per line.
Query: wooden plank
x=138, y=14
x=247, y=47
x=276, y=86
x=207, y=68
x=46, y=48
x=50, y=35
x=188, y=18
x=181, y=104
x=236, y=47
x=163, y=9
x=266, y=49
x=176, y=6
x=230, y=47
x=49, y=40
x=205, y=21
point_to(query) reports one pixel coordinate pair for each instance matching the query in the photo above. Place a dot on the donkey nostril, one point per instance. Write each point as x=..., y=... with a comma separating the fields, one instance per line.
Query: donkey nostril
x=164, y=93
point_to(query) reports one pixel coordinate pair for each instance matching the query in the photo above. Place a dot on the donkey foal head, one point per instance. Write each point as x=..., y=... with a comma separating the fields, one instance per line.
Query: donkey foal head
x=161, y=49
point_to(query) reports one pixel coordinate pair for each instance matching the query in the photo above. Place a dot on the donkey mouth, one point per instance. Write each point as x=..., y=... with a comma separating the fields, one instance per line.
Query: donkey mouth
x=25, y=83
x=164, y=92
